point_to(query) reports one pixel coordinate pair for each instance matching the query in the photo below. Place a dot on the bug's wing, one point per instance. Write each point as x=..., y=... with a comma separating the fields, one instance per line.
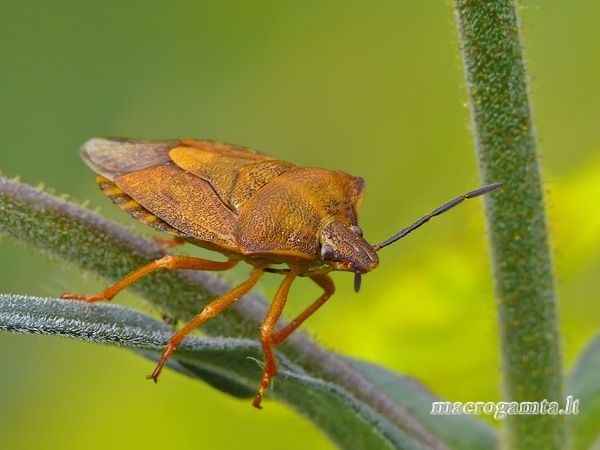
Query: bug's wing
x=143, y=170
x=235, y=154
x=113, y=157
x=235, y=173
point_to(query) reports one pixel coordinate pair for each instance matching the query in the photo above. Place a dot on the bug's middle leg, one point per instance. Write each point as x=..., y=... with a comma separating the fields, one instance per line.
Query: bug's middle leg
x=212, y=309
x=168, y=262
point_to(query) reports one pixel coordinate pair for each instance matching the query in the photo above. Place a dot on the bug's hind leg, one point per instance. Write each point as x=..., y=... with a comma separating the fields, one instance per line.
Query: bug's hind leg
x=168, y=262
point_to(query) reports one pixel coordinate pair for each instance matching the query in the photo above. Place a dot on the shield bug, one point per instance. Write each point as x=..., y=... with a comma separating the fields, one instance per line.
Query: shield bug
x=246, y=206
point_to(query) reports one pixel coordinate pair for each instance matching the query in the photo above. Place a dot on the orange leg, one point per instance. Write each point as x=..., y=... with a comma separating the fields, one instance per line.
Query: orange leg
x=269, y=337
x=267, y=329
x=168, y=262
x=211, y=310
x=325, y=282
x=169, y=242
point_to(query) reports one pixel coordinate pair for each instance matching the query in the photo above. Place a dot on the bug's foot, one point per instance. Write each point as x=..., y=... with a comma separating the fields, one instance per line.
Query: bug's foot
x=163, y=361
x=262, y=387
x=153, y=376
x=157, y=370
x=257, y=400
x=86, y=298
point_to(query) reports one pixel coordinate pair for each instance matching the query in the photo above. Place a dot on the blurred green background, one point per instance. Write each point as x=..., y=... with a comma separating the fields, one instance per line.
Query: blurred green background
x=375, y=91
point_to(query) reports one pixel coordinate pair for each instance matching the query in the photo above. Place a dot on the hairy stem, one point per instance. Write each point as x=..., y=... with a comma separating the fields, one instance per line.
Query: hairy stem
x=506, y=148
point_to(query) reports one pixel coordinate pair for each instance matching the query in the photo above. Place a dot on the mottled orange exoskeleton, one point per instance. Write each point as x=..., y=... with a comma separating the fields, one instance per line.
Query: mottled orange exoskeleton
x=247, y=206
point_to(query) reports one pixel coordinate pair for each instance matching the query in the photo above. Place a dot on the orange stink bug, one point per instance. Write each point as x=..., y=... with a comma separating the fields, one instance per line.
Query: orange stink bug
x=247, y=206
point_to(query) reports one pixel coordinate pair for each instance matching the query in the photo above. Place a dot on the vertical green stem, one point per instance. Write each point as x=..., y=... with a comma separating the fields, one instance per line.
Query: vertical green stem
x=505, y=141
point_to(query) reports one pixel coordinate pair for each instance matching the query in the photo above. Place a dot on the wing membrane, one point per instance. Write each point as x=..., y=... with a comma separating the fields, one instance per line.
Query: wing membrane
x=114, y=157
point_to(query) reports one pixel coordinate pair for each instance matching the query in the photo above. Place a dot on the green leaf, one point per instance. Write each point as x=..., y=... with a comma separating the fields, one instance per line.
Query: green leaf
x=226, y=362
x=347, y=404
x=457, y=431
x=584, y=385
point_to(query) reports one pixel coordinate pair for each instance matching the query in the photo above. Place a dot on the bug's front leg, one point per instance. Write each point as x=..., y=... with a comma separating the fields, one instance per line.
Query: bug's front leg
x=267, y=330
x=326, y=283
x=168, y=262
x=270, y=337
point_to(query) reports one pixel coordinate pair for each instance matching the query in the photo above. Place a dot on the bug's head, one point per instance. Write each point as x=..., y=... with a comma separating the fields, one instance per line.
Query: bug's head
x=344, y=248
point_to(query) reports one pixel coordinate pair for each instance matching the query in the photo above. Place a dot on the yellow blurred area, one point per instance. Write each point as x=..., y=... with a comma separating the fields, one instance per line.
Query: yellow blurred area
x=575, y=228
x=375, y=90
x=575, y=216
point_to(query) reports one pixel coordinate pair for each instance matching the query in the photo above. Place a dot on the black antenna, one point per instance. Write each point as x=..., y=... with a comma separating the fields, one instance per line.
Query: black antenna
x=436, y=212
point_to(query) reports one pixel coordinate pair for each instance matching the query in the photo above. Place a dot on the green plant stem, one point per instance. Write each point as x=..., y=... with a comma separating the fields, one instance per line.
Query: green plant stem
x=505, y=141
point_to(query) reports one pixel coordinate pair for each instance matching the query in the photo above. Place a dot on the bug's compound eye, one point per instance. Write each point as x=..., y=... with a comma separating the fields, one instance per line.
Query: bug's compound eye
x=356, y=229
x=327, y=252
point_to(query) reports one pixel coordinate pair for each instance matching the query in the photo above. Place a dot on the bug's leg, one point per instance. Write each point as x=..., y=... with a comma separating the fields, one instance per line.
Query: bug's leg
x=325, y=282
x=267, y=330
x=168, y=262
x=212, y=309
x=269, y=338
x=169, y=242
